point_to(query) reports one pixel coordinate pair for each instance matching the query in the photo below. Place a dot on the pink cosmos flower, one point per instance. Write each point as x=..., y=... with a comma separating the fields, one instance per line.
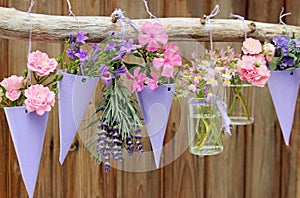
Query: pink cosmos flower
x=167, y=63
x=39, y=99
x=152, y=83
x=269, y=51
x=251, y=46
x=13, y=94
x=41, y=64
x=12, y=82
x=154, y=34
x=138, y=80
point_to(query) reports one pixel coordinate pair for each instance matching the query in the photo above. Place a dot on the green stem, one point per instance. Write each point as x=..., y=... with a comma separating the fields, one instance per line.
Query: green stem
x=237, y=94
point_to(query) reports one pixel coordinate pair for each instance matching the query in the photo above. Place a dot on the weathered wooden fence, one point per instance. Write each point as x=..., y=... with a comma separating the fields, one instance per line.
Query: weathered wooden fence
x=255, y=162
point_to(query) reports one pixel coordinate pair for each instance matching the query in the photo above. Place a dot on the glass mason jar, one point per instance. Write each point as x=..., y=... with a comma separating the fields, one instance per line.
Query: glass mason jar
x=240, y=101
x=204, y=127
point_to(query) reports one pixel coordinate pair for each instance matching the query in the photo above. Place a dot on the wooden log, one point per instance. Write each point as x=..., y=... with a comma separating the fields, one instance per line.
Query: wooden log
x=15, y=24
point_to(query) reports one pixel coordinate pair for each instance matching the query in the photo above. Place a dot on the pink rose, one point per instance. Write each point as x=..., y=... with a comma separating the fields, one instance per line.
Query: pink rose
x=12, y=82
x=154, y=34
x=41, y=64
x=269, y=51
x=251, y=46
x=39, y=99
x=13, y=94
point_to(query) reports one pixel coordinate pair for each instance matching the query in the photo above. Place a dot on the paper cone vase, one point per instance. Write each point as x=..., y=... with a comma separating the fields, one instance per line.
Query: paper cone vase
x=74, y=95
x=27, y=132
x=155, y=106
x=284, y=86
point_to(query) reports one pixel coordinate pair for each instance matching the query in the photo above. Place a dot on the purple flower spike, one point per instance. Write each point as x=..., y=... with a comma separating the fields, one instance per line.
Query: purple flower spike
x=107, y=166
x=70, y=54
x=81, y=38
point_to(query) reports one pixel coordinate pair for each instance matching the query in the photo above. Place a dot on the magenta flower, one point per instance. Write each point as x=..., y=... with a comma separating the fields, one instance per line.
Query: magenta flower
x=41, y=64
x=167, y=63
x=154, y=34
x=138, y=80
x=39, y=99
x=152, y=83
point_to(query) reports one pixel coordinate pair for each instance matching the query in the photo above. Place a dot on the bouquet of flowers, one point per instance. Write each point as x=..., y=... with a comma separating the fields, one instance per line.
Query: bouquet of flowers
x=26, y=101
x=37, y=93
x=159, y=61
x=200, y=81
x=119, y=122
x=240, y=72
x=283, y=61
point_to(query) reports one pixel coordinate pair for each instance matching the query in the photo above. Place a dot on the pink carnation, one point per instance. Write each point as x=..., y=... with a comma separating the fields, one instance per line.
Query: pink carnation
x=257, y=76
x=39, y=99
x=252, y=46
x=154, y=34
x=41, y=64
x=12, y=82
x=13, y=94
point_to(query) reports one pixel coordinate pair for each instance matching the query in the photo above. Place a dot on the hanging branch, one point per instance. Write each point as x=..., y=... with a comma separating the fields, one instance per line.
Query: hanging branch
x=14, y=24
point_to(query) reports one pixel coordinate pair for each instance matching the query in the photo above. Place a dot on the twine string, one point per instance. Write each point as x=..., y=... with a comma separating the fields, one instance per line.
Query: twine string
x=244, y=22
x=213, y=13
x=30, y=34
x=281, y=15
x=149, y=12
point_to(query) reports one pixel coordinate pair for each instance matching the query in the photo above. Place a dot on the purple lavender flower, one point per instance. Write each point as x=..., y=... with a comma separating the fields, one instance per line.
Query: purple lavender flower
x=71, y=38
x=286, y=62
x=111, y=47
x=107, y=166
x=127, y=46
x=81, y=38
x=82, y=55
x=281, y=44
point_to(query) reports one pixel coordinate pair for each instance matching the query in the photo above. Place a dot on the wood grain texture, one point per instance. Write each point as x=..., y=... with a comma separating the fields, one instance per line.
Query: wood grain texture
x=14, y=24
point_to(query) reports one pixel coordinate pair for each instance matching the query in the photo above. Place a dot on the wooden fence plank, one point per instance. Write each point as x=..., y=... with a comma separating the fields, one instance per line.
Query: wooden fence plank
x=4, y=131
x=263, y=143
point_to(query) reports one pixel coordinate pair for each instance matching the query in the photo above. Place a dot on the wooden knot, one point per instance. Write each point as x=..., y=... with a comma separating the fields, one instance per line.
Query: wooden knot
x=74, y=146
x=114, y=18
x=203, y=19
x=252, y=26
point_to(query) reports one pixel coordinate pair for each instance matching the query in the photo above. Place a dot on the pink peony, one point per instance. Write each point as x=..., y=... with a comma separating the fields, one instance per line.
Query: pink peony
x=152, y=83
x=252, y=46
x=167, y=63
x=13, y=94
x=12, y=82
x=269, y=51
x=154, y=34
x=41, y=64
x=138, y=80
x=39, y=99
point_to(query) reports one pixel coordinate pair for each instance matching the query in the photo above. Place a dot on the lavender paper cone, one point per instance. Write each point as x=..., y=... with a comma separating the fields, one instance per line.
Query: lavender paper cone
x=28, y=132
x=155, y=106
x=284, y=91
x=74, y=95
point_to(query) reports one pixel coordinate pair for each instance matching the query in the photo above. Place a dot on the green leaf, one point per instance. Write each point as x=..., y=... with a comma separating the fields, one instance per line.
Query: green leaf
x=273, y=64
x=130, y=67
